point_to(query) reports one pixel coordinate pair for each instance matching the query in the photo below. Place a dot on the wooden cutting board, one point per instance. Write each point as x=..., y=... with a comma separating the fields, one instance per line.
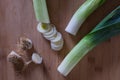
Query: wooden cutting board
x=17, y=19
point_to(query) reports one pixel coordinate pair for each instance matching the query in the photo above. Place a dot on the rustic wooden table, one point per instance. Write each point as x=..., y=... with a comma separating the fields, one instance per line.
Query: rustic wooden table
x=17, y=19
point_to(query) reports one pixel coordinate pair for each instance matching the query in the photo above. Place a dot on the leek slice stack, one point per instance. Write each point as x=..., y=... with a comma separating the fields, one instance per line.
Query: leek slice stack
x=44, y=26
x=108, y=27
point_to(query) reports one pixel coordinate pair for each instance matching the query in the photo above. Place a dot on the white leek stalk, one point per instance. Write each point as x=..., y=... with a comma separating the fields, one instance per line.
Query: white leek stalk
x=81, y=14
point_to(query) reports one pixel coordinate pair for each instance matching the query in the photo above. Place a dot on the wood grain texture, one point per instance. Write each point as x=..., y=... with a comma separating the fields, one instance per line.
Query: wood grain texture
x=17, y=19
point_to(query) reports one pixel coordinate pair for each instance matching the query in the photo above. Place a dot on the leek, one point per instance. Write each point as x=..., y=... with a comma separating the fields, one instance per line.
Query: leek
x=44, y=26
x=81, y=14
x=41, y=11
x=36, y=58
x=108, y=27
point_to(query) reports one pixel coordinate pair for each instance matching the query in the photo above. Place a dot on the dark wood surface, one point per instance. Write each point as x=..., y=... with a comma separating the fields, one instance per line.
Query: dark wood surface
x=17, y=19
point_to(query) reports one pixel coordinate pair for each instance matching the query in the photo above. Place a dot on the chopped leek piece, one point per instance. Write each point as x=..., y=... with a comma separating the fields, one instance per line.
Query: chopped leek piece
x=41, y=29
x=81, y=14
x=45, y=26
x=57, y=42
x=58, y=39
x=108, y=27
x=57, y=47
x=36, y=58
x=41, y=11
x=52, y=35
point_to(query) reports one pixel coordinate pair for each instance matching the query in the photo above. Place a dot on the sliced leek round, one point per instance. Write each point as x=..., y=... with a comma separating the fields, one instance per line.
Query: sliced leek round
x=41, y=29
x=57, y=47
x=58, y=39
x=36, y=58
x=49, y=33
x=52, y=35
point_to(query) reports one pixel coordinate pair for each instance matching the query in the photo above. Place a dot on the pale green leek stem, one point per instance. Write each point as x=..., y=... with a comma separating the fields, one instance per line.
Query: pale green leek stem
x=41, y=11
